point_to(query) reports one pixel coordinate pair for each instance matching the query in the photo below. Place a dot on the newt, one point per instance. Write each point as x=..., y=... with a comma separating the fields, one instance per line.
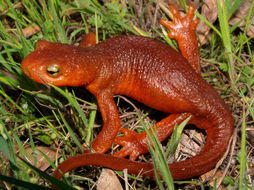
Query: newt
x=150, y=72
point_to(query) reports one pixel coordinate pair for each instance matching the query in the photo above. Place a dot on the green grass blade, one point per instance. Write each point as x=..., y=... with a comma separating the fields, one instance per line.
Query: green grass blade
x=72, y=134
x=226, y=38
x=92, y=117
x=24, y=184
x=249, y=19
x=243, y=155
x=201, y=17
x=233, y=8
x=8, y=81
x=176, y=137
x=57, y=183
x=53, y=7
x=4, y=147
x=159, y=160
x=12, y=101
x=20, y=144
x=74, y=103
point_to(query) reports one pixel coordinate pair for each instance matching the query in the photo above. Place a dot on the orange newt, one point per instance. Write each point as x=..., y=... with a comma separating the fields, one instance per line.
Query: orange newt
x=150, y=72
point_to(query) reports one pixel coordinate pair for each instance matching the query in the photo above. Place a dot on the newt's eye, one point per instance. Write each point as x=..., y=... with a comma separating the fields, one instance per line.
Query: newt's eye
x=53, y=70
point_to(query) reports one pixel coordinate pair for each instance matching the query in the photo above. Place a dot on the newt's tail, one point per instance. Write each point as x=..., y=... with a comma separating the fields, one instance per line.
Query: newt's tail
x=104, y=160
x=216, y=145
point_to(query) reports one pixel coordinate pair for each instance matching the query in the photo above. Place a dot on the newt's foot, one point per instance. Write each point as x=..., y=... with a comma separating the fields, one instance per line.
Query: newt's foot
x=180, y=24
x=132, y=144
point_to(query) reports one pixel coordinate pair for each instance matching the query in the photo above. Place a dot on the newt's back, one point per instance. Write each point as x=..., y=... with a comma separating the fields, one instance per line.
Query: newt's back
x=155, y=74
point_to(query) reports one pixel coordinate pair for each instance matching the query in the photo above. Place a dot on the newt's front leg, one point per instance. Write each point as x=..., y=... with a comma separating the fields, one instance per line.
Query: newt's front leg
x=111, y=122
x=183, y=30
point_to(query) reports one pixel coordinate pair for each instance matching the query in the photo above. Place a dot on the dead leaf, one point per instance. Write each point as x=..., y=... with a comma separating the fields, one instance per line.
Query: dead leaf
x=15, y=6
x=108, y=181
x=213, y=178
x=209, y=11
x=177, y=3
x=191, y=142
x=40, y=161
x=242, y=12
x=31, y=30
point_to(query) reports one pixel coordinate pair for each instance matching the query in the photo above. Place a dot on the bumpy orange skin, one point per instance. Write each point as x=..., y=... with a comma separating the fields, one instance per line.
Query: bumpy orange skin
x=150, y=72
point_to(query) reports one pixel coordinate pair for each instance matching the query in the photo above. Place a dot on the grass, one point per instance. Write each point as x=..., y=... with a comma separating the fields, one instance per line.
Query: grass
x=34, y=115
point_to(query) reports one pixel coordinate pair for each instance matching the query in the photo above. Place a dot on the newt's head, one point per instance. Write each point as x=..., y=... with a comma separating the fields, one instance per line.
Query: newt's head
x=57, y=64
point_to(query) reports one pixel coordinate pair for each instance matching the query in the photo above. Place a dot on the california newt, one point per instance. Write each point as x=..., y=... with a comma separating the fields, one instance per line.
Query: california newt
x=150, y=72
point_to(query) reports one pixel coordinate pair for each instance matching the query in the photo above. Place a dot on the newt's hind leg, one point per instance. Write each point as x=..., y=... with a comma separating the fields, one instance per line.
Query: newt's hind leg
x=134, y=144
x=182, y=29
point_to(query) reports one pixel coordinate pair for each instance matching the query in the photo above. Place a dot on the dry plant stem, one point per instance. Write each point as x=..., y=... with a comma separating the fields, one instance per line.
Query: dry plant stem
x=128, y=101
x=231, y=147
x=125, y=172
x=155, y=15
x=15, y=6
